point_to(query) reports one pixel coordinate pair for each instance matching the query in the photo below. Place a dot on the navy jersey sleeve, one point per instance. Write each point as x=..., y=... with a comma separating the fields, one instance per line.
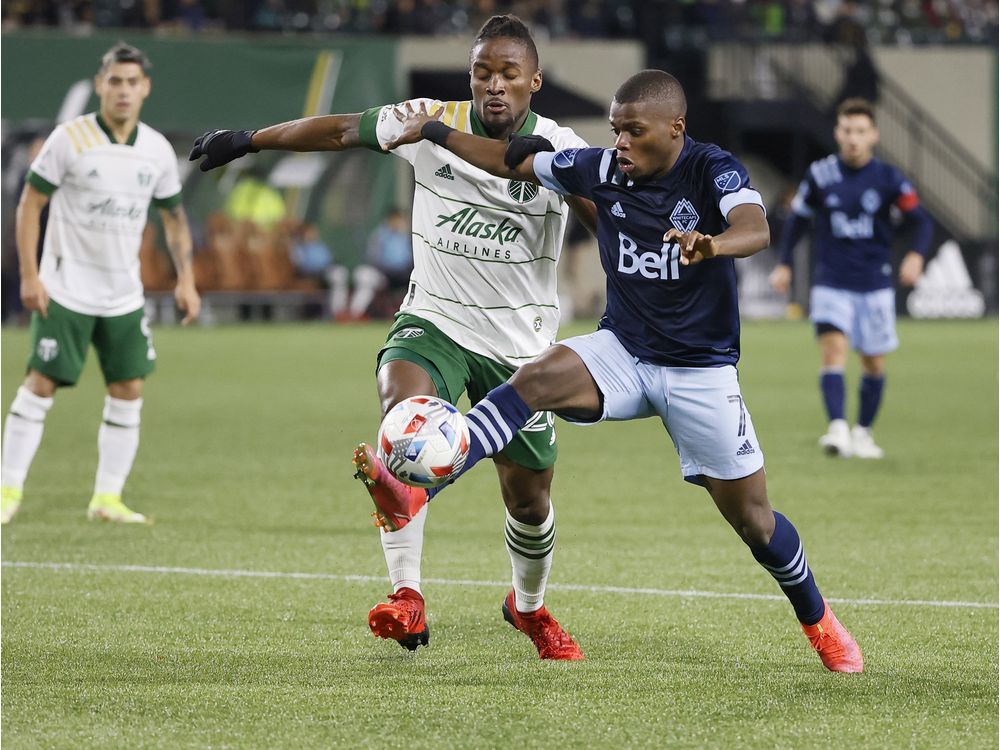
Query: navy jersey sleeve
x=807, y=198
x=731, y=184
x=574, y=171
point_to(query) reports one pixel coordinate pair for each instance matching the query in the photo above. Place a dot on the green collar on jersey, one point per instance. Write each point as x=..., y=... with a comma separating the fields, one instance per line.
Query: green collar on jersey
x=477, y=127
x=130, y=141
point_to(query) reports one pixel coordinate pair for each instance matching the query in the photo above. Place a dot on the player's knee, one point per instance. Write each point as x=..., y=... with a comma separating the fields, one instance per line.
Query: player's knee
x=755, y=525
x=40, y=385
x=531, y=508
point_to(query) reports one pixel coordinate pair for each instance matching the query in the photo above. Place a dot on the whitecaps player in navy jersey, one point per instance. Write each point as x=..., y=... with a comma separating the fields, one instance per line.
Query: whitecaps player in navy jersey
x=848, y=198
x=672, y=215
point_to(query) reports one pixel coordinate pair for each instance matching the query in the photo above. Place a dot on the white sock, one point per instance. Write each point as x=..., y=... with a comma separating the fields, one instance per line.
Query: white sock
x=337, y=278
x=367, y=280
x=117, y=443
x=403, y=550
x=530, y=549
x=21, y=435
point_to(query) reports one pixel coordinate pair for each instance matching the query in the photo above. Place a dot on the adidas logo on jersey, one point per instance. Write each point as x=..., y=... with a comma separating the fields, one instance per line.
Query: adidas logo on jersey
x=617, y=210
x=92, y=173
x=945, y=290
x=746, y=449
x=445, y=172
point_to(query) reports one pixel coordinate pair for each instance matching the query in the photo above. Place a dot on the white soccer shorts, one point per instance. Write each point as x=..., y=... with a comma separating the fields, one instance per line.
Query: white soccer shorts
x=701, y=407
x=867, y=318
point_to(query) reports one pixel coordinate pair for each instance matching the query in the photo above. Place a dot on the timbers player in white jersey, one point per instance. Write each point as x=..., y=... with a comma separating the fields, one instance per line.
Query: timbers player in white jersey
x=102, y=171
x=481, y=302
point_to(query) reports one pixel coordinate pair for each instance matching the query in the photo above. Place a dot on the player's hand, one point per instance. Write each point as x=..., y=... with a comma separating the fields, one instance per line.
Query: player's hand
x=911, y=269
x=520, y=147
x=188, y=300
x=781, y=278
x=695, y=246
x=34, y=296
x=413, y=120
x=221, y=147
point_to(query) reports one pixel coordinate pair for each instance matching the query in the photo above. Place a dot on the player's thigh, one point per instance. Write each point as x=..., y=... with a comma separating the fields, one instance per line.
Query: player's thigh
x=534, y=446
x=59, y=343
x=832, y=307
x=124, y=345
x=420, y=343
x=877, y=322
x=615, y=375
x=709, y=423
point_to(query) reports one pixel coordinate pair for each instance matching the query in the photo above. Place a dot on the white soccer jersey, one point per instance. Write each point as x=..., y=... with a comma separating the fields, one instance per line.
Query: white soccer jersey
x=101, y=191
x=484, y=248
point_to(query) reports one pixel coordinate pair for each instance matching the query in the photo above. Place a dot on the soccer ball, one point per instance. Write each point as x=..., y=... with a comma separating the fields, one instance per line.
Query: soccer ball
x=423, y=441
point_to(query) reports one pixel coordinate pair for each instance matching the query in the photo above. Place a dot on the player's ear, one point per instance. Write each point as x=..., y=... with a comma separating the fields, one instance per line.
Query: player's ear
x=536, y=81
x=678, y=126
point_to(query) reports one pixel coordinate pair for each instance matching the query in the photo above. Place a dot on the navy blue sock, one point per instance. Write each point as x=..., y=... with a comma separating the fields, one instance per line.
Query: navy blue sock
x=831, y=383
x=871, y=397
x=785, y=559
x=493, y=423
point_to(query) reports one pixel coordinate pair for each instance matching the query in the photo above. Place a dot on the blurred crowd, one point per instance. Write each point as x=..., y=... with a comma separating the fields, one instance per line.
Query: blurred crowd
x=887, y=21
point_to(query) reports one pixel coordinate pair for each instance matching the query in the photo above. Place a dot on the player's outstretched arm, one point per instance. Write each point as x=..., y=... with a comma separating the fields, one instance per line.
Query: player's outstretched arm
x=496, y=157
x=747, y=234
x=322, y=133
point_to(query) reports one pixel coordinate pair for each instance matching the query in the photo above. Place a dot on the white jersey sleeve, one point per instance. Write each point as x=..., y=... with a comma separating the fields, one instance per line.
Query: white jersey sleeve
x=52, y=161
x=167, y=191
x=380, y=126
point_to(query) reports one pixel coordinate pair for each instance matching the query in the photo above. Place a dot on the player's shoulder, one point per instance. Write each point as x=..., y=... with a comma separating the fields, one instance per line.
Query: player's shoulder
x=825, y=171
x=560, y=136
x=152, y=140
x=887, y=171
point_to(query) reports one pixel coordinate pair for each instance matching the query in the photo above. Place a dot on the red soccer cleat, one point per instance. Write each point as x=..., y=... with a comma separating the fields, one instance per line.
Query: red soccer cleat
x=395, y=503
x=835, y=646
x=548, y=636
x=401, y=619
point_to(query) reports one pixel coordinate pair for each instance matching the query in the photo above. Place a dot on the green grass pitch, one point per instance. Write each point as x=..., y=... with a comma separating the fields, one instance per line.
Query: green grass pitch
x=237, y=620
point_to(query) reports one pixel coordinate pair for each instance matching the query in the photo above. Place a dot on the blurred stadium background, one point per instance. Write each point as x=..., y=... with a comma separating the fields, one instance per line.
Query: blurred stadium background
x=762, y=76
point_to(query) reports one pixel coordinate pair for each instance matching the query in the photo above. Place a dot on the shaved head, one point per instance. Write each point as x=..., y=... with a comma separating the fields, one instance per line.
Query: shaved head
x=656, y=87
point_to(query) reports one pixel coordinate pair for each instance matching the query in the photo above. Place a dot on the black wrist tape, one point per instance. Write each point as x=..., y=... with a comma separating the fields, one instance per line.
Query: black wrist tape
x=435, y=131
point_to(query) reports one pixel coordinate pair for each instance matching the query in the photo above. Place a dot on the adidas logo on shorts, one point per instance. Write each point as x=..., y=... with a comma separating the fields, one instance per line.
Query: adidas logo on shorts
x=746, y=449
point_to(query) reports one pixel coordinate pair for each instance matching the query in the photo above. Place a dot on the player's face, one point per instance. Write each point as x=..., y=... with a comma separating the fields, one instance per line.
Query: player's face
x=856, y=136
x=503, y=77
x=648, y=138
x=122, y=88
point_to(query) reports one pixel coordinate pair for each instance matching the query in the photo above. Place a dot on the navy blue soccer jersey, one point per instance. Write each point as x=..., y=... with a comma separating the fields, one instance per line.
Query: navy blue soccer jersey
x=850, y=209
x=662, y=312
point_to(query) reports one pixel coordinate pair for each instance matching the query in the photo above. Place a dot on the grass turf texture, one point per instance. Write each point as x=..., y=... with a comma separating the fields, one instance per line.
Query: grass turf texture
x=245, y=466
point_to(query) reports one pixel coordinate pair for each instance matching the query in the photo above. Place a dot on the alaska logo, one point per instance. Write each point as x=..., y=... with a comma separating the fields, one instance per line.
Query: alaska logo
x=469, y=223
x=728, y=181
x=110, y=207
x=522, y=192
x=684, y=217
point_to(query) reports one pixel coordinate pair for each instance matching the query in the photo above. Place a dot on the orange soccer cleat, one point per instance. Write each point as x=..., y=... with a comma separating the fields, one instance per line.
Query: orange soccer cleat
x=548, y=635
x=395, y=503
x=401, y=619
x=835, y=646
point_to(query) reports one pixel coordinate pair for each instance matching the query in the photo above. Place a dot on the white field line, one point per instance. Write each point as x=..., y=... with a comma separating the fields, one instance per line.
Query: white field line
x=222, y=573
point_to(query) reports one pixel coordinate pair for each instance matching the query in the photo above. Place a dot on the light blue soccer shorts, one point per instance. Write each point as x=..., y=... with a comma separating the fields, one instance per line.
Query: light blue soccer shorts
x=701, y=407
x=867, y=318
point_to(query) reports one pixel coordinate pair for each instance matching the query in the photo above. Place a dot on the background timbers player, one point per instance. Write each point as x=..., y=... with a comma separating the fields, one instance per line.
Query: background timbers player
x=481, y=302
x=848, y=197
x=672, y=215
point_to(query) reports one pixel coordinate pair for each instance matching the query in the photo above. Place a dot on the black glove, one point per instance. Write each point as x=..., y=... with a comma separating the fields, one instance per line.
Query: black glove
x=221, y=147
x=521, y=147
